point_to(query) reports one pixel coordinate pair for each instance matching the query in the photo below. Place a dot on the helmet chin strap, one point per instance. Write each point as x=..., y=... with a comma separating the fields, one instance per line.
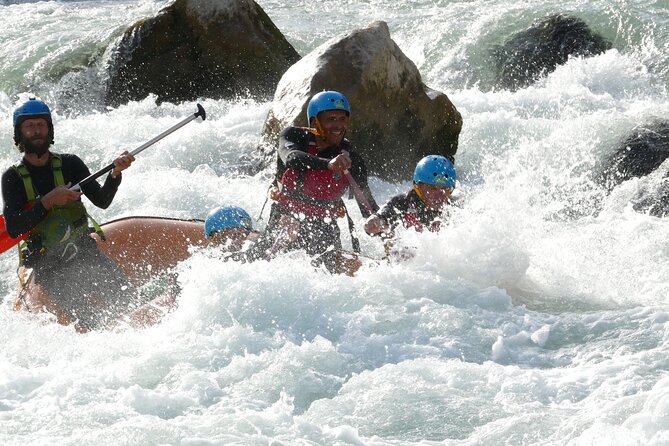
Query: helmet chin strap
x=319, y=133
x=418, y=192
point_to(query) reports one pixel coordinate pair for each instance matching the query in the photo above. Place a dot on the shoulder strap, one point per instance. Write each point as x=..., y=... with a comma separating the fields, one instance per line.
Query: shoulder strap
x=355, y=243
x=27, y=181
x=96, y=227
x=56, y=168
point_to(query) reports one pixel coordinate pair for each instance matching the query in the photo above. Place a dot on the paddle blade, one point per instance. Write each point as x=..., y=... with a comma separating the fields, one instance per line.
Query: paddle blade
x=6, y=240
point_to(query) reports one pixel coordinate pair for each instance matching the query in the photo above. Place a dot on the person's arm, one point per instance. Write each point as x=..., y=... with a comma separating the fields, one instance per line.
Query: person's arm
x=393, y=211
x=387, y=218
x=101, y=196
x=293, y=142
x=358, y=171
x=18, y=220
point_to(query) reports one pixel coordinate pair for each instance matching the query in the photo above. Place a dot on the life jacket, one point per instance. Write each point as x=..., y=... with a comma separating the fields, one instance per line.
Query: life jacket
x=61, y=224
x=312, y=193
x=412, y=218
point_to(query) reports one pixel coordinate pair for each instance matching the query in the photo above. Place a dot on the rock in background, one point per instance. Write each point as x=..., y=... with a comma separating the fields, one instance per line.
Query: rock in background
x=643, y=151
x=395, y=118
x=533, y=53
x=200, y=48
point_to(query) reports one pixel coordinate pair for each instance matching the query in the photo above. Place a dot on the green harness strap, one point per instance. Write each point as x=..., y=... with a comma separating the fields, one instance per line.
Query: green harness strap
x=58, y=179
x=31, y=195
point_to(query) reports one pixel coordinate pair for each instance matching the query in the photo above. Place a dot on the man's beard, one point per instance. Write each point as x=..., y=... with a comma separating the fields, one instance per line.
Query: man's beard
x=36, y=149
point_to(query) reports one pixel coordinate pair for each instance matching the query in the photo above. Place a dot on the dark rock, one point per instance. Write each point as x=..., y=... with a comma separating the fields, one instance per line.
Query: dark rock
x=395, y=118
x=638, y=155
x=654, y=200
x=200, y=48
x=533, y=53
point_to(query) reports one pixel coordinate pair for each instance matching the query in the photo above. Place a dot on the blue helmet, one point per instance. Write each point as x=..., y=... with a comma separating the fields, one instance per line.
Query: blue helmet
x=32, y=108
x=435, y=169
x=326, y=100
x=227, y=217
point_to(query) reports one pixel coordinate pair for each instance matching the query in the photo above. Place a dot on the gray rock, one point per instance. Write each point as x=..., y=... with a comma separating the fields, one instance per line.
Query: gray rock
x=200, y=48
x=643, y=151
x=395, y=118
x=533, y=53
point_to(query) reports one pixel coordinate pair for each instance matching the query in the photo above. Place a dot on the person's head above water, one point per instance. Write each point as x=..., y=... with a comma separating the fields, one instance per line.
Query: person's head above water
x=434, y=180
x=228, y=225
x=328, y=112
x=33, y=127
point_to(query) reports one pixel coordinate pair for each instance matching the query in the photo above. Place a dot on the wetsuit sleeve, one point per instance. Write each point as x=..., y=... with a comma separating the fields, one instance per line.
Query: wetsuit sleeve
x=101, y=196
x=18, y=221
x=293, y=145
x=392, y=212
x=358, y=171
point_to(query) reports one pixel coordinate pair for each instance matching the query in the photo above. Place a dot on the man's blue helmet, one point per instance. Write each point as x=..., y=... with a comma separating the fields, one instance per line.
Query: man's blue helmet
x=227, y=217
x=32, y=108
x=435, y=169
x=327, y=100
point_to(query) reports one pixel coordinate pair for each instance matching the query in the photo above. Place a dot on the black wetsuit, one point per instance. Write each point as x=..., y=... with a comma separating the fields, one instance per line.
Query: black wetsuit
x=72, y=272
x=410, y=210
x=317, y=236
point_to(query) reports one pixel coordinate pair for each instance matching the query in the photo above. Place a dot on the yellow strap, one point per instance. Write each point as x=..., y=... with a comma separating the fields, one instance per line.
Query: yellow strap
x=418, y=192
x=57, y=167
x=58, y=179
x=27, y=182
x=96, y=226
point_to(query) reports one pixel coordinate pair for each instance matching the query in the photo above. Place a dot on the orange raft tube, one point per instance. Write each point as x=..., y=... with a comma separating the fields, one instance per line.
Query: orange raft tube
x=143, y=247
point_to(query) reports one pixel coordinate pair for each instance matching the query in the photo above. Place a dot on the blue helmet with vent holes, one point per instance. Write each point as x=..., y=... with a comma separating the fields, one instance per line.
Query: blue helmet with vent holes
x=435, y=169
x=32, y=108
x=227, y=217
x=327, y=100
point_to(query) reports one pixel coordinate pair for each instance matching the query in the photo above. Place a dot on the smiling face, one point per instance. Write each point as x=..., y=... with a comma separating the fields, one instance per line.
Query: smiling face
x=333, y=126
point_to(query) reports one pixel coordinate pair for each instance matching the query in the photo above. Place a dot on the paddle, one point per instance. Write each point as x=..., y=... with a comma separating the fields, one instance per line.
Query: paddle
x=7, y=242
x=360, y=196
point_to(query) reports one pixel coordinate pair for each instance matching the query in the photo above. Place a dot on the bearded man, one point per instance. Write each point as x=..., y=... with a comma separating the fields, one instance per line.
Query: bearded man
x=84, y=286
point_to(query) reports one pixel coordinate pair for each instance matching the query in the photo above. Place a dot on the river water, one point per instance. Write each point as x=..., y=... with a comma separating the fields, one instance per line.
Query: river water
x=538, y=316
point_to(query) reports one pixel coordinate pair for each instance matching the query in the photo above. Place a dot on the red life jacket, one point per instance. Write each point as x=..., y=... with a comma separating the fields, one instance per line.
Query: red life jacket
x=314, y=193
x=411, y=220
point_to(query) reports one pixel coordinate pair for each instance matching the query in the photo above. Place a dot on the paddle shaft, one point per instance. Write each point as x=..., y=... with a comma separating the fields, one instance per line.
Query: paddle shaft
x=92, y=177
x=359, y=195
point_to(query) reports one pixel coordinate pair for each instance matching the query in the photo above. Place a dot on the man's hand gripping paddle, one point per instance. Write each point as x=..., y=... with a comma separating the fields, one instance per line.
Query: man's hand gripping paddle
x=7, y=242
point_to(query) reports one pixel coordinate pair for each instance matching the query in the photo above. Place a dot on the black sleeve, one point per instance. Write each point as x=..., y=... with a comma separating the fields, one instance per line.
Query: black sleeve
x=392, y=212
x=358, y=171
x=18, y=221
x=293, y=144
x=103, y=196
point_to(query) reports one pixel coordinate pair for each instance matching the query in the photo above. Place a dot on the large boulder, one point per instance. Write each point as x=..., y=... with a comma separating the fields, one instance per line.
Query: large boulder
x=643, y=151
x=200, y=48
x=533, y=53
x=395, y=118
x=642, y=154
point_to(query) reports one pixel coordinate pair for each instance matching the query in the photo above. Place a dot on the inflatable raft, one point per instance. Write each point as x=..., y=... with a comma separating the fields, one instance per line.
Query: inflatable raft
x=143, y=247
